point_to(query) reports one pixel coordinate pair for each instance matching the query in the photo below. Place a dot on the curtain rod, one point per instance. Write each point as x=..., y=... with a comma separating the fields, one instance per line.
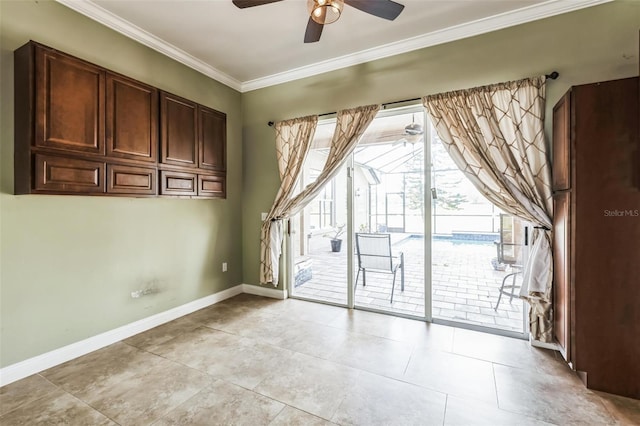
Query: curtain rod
x=553, y=75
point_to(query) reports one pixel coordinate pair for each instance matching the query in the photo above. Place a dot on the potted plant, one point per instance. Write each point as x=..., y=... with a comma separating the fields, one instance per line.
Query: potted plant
x=336, y=242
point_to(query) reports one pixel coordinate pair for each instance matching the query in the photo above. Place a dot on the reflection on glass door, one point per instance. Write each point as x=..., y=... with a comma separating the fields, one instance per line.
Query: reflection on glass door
x=319, y=231
x=388, y=181
x=477, y=252
x=395, y=211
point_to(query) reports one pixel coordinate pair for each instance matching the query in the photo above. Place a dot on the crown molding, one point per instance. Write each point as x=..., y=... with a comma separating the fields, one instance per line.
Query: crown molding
x=469, y=29
x=103, y=16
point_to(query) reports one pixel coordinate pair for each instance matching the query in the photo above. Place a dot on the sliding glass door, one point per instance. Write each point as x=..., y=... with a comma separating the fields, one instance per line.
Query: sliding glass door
x=389, y=214
x=478, y=253
x=319, y=234
x=379, y=192
x=401, y=230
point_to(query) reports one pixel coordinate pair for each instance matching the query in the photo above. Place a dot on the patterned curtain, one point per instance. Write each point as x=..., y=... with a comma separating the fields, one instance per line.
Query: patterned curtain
x=293, y=139
x=350, y=126
x=495, y=135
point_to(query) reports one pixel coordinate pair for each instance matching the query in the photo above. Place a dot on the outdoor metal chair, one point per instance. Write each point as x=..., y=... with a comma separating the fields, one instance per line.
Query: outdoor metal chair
x=374, y=255
x=509, y=253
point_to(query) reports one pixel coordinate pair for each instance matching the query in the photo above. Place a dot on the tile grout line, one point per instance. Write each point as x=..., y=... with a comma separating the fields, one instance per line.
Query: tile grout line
x=495, y=381
x=495, y=384
x=172, y=409
x=344, y=397
x=284, y=406
x=33, y=400
x=446, y=405
x=213, y=377
x=78, y=399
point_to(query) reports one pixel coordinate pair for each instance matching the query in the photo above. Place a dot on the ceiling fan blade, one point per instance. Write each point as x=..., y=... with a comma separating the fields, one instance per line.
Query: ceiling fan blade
x=386, y=9
x=313, y=32
x=251, y=3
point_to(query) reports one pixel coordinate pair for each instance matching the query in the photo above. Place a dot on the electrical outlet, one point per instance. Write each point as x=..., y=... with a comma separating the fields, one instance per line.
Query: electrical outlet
x=263, y=216
x=224, y=266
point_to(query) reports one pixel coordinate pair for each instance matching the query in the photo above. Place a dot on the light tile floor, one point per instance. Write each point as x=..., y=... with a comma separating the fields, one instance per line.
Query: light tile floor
x=256, y=361
x=465, y=285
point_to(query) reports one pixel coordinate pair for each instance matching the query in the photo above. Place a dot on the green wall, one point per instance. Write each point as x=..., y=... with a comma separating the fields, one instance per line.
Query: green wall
x=584, y=46
x=68, y=264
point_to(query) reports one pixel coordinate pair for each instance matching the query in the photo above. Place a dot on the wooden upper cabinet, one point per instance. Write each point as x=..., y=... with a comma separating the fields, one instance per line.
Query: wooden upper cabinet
x=193, y=143
x=212, y=139
x=81, y=129
x=179, y=135
x=69, y=103
x=131, y=119
x=562, y=144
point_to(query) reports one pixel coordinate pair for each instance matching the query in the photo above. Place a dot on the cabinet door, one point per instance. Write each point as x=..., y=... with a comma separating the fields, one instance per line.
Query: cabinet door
x=561, y=272
x=61, y=174
x=212, y=186
x=131, y=119
x=212, y=139
x=179, y=136
x=178, y=183
x=562, y=144
x=123, y=179
x=69, y=103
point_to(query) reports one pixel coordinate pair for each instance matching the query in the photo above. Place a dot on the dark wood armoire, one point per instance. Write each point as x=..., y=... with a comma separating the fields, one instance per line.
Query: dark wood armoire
x=596, y=183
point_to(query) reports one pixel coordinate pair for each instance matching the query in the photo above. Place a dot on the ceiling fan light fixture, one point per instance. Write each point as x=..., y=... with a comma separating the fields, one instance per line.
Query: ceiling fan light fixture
x=325, y=11
x=413, y=129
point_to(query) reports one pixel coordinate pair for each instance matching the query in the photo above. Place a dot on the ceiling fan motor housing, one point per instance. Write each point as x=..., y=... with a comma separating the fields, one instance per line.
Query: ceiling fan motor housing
x=325, y=11
x=328, y=11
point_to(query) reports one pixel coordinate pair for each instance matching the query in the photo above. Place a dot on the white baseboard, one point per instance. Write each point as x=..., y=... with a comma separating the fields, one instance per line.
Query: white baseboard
x=264, y=291
x=539, y=344
x=55, y=357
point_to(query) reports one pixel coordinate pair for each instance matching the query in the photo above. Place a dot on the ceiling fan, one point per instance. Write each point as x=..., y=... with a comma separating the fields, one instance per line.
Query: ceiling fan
x=322, y=12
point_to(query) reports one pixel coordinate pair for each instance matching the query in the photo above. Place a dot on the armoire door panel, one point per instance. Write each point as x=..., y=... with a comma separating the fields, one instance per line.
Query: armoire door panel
x=131, y=119
x=123, y=179
x=69, y=103
x=178, y=183
x=562, y=144
x=561, y=278
x=212, y=139
x=62, y=174
x=179, y=131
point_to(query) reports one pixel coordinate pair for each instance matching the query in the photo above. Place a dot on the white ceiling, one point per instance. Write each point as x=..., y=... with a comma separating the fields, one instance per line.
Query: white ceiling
x=261, y=46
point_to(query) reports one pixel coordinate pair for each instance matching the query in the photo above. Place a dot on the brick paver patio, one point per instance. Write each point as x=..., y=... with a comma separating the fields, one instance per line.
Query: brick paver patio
x=465, y=285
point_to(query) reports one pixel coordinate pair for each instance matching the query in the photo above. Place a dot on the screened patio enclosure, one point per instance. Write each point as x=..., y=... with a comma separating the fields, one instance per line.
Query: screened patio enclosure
x=388, y=177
